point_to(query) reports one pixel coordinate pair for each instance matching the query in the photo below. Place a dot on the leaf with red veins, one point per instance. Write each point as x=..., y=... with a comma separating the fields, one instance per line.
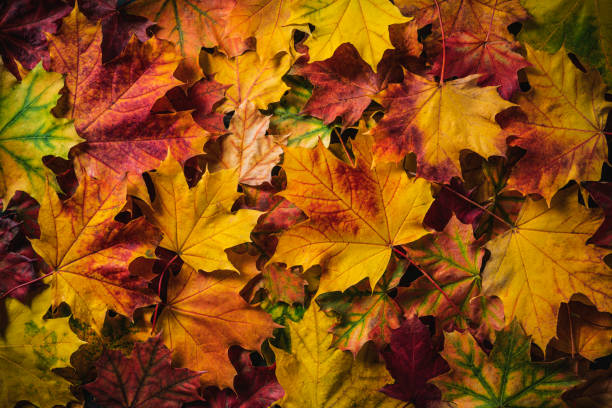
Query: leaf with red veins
x=453, y=262
x=248, y=147
x=255, y=386
x=412, y=360
x=343, y=86
x=89, y=253
x=23, y=24
x=111, y=102
x=117, y=26
x=495, y=58
x=601, y=192
x=438, y=121
x=146, y=379
x=365, y=314
x=17, y=260
x=205, y=95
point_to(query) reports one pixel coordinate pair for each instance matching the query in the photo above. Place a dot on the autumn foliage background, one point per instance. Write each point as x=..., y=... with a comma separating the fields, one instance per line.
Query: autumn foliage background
x=305, y=203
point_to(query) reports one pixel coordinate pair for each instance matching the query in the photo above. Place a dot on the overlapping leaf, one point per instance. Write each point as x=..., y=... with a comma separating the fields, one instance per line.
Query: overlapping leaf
x=29, y=349
x=505, y=378
x=89, y=253
x=203, y=315
x=543, y=260
x=315, y=375
x=438, y=121
x=356, y=213
x=28, y=131
x=197, y=222
x=563, y=127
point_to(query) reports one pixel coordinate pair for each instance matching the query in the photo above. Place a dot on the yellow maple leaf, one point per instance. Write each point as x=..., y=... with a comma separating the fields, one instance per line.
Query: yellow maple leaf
x=30, y=347
x=543, y=260
x=259, y=81
x=317, y=375
x=356, y=213
x=438, y=121
x=364, y=23
x=197, y=222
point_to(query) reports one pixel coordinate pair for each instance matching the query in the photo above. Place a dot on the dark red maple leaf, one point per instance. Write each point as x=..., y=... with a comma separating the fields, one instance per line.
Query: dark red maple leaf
x=602, y=194
x=23, y=24
x=343, y=86
x=117, y=25
x=412, y=361
x=256, y=386
x=144, y=380
x=17, y=260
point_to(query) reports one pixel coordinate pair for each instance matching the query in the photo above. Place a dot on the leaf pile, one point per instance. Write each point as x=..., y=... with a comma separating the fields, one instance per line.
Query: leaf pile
x=305, y=203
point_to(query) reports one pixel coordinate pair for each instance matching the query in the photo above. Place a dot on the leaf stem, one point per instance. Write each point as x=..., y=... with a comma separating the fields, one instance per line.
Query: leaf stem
x=159, y=288
x=5, y=294
x=443, y=43
x=348, y=156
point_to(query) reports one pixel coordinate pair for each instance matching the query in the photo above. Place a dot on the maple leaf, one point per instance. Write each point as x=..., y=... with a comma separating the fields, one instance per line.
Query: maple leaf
x=452, y=260
x=412, y=361
x=543, y=260
x=117, y=25
x=577, y=25
x=250, y=78
x=356, y=213
x=504, y=378
x=495, y=58
x=29, y=349
x=114, y=116
x=191, y=24
x=343, y=86
x=248, y=148
x=302, y=130
x=28, y=131
x=203, y=315
x=267, y=21
x=17, y=261
x=89, y=252
x=197, y=222
x=316, y=375
x=562, y=128
x=363, y=23
x=438, y=121
x=583, y=330
x=146, y=379
x=602, y=194
x=23, y=24
x=256, y=386
x=476, y=16
x=365, y=314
